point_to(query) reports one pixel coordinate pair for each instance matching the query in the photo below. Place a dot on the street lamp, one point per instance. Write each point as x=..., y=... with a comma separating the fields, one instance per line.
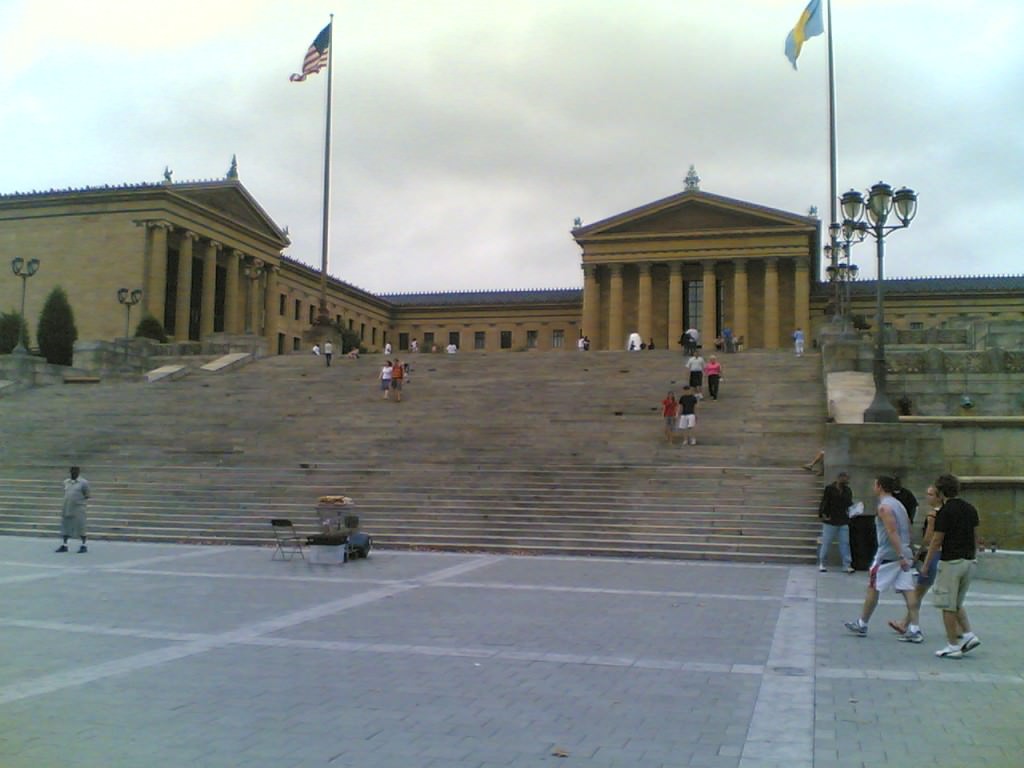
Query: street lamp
x=881, y=202
x=23, y=270
x=840, y=271
x=129, y=299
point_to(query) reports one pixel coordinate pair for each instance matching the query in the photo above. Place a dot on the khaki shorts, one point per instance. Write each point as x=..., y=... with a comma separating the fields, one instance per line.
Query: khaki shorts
x=952, y=583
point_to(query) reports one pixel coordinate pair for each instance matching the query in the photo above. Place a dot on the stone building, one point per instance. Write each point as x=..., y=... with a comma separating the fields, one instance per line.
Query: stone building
x=209, y=260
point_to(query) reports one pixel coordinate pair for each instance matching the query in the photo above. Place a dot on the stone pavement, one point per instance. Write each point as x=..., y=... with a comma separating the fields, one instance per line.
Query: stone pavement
x=165, y=655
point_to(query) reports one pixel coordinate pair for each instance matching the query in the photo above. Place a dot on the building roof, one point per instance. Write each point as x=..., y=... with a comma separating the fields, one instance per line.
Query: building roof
x=956, y=284
x=491, y=298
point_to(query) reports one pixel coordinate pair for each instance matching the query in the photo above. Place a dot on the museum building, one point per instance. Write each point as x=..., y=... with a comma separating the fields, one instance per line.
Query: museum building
x=209, y=260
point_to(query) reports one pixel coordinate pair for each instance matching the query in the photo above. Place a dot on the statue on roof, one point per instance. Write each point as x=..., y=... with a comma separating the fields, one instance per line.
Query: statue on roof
x=813, y=211
x=167, y=174
x=692, y=181
x=577, y=223
x=233, y=170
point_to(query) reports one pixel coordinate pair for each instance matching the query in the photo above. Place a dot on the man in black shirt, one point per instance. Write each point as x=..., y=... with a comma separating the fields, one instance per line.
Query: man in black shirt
x=906, y=498
x=955, y=541
x=835, y=520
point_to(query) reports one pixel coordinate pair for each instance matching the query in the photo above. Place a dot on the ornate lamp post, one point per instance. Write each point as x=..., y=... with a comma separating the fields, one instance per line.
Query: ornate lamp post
x=840, y=271
x=129, y=299
x=24, y=270
x=881, y=202
x=253, y=271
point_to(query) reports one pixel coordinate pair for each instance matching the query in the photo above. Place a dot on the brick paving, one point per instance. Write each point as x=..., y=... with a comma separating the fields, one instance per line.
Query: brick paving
x=174, y=655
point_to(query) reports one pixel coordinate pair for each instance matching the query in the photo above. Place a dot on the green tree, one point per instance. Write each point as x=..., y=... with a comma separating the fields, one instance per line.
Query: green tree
x=10, y=324
x=56, y=332
x=150, y=328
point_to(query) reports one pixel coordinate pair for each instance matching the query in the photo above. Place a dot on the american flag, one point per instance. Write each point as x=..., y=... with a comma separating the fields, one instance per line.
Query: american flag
x=316, y=56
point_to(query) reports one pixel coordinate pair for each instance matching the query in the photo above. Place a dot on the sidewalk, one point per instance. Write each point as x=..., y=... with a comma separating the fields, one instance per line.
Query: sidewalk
x=161, y=655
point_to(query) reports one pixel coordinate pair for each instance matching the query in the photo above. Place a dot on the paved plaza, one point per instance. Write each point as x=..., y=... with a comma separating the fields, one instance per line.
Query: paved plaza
x=164, y=655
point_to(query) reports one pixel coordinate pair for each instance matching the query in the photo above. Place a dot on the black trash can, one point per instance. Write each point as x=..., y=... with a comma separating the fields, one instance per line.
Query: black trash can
x=863, y=542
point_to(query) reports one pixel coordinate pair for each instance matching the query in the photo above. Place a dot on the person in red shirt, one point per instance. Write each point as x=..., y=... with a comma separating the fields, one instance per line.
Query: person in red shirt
x=670, y=411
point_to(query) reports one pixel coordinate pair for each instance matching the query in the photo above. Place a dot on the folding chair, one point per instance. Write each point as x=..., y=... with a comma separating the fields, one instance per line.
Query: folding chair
x=288, y=541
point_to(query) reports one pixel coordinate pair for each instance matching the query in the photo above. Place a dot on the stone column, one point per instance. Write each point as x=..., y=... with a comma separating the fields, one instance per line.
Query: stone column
x=771, y=303
x=616, y=340
x=707, y=331
x=209, y=288
x=675, y=303
x=644, y=320
x=184, y=302
x=232, y=296
x=270, y=309
x=155, y=294
x=591, y=305
x=802, y=298
x=254, y=303
x=740, y=301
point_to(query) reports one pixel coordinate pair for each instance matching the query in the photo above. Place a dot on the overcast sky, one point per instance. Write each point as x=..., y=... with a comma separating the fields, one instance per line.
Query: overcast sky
x=468, y=134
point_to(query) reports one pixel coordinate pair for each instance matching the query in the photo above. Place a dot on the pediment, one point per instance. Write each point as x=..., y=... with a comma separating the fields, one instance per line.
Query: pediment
x=231, y=200
x=691, y=213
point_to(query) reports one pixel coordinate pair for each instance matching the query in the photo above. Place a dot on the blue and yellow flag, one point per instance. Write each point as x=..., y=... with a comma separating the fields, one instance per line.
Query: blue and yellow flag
x=807, y=26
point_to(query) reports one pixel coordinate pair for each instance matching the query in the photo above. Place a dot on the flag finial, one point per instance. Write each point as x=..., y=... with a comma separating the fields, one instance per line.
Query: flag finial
x=233, y=170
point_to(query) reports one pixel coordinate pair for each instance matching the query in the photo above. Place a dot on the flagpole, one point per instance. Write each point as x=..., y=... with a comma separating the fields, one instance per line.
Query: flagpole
x=325, y=229
x=833, y=196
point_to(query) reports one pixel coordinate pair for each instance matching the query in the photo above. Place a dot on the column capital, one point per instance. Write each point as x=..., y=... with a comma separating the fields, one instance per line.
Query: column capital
x=216, y=245
x=188, y=234
x=739, y=265
x=675, y=267
x=155, y=224
x=801, y=262
x=708, y=265
x=644, y=267
x=771, y=261
x=615, y=268
x=589, y=269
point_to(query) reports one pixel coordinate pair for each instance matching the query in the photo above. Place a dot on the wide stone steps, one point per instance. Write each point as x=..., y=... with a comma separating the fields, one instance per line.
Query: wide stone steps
x=526, y=452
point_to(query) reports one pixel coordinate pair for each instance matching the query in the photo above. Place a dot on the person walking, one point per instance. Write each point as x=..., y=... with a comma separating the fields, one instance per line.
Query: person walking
x=955, y=544
x=798, y=342
x=670, y=413
x=397, y=376
x=328, y=352
x=73, y=513
x=385, y=379
x=835, y=521
x=925, y=578
x=688, y=416
x=695, y=365
x=891, y=568
x=713, y=370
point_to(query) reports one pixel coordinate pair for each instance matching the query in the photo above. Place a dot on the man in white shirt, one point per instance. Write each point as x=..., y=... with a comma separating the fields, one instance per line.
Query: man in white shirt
x=328, y=352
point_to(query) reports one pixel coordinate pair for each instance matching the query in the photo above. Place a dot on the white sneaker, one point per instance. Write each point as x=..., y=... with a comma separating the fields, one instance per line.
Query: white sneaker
x=693, y=441
x=969, y=642
x=949, y=652
x=822, y=568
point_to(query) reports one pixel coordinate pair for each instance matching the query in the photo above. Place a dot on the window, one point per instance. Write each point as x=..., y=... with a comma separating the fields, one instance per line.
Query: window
x=280, y=343
x=362, y=331
x=506, y=339
x=428, y=342
x=453, y=338
x=373, y=335
x=531, y=339
x=296, y=343
x=694, y=308
x=480, y=340
x=312, y=313
x=282, y=305
x=337, y=320
x=350, y=323
x=298, y=309
x=917, y=326
x=403, y=342
x=557, y=339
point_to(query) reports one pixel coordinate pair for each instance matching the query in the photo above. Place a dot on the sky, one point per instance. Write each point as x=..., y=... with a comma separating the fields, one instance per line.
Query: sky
x=469, y=134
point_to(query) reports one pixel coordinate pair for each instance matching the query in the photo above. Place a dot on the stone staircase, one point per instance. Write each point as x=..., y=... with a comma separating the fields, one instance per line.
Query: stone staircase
x=520, y=452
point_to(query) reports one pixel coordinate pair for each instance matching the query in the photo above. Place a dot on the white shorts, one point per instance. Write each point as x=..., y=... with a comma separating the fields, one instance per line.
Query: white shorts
x=886, y=576
x=687, y=420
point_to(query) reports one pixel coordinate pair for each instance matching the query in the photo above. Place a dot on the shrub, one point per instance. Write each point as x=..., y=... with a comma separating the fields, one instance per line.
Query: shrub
x=10, y=324
x=150, y=328
x=56, y=332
